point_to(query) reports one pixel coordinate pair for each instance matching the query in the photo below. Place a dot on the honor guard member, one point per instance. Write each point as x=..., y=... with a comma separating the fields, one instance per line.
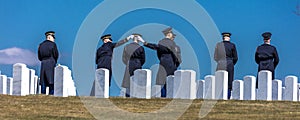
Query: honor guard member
x=169, y=56
x=48, y=55
x=226, y=57
x=105, y=52
x=177, y=54
x=266, y=56
x=133, y=58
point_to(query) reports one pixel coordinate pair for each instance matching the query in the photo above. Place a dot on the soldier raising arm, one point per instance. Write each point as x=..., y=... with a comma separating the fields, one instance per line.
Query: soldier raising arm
x=133, y=58
x=105, y=52
x=168, y=54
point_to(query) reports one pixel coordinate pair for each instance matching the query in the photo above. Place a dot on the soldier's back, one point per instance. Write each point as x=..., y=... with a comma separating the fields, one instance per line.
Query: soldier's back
x=265, y=51
x=132, y=49
x=224, y=49
x=105, y=50
x=46, y=49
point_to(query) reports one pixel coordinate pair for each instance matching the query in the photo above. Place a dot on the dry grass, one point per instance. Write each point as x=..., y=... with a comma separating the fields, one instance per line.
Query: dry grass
x=247, y=110
x=49, y=107
x=42, y=107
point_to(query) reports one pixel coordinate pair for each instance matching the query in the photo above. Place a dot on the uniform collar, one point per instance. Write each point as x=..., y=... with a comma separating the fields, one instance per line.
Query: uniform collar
x=48, y=41
x=226, y=41
x=266, y=44
x=167, y=39
x=134, y=43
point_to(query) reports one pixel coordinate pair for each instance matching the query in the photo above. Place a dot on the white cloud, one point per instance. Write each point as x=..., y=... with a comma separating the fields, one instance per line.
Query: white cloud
x=18, y=55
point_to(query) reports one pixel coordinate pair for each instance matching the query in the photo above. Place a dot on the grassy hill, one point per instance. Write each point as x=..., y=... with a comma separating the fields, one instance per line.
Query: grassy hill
x=49, y=107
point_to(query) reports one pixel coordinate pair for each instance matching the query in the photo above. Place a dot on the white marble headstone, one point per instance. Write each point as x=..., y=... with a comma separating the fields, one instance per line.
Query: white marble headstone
x=298, y=94
x=276, y=90
x=20, y=79
x=185, y=84
x=132, y=88
x=170, y=86
x=141, y=84
x=238, y=90
x=36, y=79
x=3, y=84
x=47, y=90
x=283, y=93
x=155, y=91
x=249, y=87
x=264, y=91
x=122, y=93
x=40, y=89
x=102, y=83
x=71, y=88
x=291, y=88
x=210, y=87
x=61, y=75
x=221, y=80
x=200, y=89
x=31, y=81
x=298, y=91
x=9, y=87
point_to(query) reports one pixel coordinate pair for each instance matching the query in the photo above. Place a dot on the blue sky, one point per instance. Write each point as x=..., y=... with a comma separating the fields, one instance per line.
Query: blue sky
x=23, y=23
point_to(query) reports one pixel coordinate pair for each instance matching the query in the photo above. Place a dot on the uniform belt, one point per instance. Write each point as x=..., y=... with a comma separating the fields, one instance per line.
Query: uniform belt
x=106, y=56
x=267, y=60
x=47, y=58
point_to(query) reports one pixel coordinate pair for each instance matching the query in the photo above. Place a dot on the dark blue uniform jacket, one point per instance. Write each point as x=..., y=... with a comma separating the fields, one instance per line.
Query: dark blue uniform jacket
x=169, y=55
x=133, y=58
x=226, y=57
x=48, y=55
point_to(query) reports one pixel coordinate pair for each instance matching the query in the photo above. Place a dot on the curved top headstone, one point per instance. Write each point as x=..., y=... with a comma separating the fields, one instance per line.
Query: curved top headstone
x=61, y=67
x=19, y=64
x=138, y=70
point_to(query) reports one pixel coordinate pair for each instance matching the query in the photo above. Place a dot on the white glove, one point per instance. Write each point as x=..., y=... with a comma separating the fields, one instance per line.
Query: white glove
x=130, y=37
x=141, y=39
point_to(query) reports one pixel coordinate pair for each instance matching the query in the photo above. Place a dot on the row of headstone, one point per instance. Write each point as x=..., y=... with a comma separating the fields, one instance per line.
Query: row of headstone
x=268, y=89
x=3, y=84
x=183, y=85
x=6, y=85
x=213, y=86
x=140, y=85
x=64, y=85
x=25, y=82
